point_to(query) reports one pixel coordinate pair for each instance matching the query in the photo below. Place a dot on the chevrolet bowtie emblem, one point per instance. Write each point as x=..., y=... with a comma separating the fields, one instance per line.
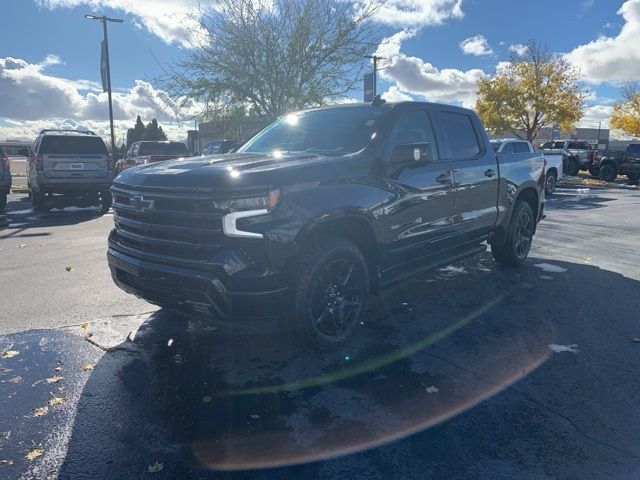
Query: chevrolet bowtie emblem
x=140, y=203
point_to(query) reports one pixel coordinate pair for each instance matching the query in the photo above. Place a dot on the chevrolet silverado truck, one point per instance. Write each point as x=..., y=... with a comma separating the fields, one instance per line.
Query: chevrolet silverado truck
x=319, y=210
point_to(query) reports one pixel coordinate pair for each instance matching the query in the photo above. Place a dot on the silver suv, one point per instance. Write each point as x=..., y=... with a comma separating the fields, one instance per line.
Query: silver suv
x=69, y=167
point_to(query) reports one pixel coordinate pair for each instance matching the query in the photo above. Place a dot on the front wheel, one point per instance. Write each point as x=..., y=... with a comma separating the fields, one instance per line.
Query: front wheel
x=332, y=288
x=550, y=183
x=608, y=172
x=515, y=248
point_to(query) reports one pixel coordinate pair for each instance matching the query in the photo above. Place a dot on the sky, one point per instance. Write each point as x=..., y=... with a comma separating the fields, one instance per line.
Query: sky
x=434, y=50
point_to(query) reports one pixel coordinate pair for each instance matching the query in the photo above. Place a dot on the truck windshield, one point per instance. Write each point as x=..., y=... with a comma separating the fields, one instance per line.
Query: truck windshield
x=333, y=131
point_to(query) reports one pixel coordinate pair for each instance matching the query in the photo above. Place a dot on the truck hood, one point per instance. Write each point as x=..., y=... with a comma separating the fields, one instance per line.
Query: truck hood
x=231, y=171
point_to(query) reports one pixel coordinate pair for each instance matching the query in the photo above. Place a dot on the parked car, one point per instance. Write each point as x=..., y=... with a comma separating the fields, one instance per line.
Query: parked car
x=576, y=152
x=610, y=164
x=555, y=165
x=219, y=146
x=5, y=178
x=142, y=153
x=320, y=209
x=69, y=167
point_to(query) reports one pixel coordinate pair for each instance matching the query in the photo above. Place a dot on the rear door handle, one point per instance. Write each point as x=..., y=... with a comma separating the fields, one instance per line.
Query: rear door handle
x=490, y=172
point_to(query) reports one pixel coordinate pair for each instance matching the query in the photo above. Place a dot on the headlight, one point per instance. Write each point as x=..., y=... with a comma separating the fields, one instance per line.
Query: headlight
x=266, y=202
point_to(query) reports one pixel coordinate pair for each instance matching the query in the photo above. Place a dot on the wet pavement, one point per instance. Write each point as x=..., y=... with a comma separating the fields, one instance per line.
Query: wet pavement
x=471, y=371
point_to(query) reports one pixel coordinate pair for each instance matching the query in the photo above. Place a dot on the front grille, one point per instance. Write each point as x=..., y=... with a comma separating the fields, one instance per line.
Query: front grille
x=167, y=224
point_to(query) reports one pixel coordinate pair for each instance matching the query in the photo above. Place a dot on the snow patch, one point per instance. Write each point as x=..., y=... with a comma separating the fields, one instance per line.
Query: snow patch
x=453, y=270
x=547, y=267
x=564, y=348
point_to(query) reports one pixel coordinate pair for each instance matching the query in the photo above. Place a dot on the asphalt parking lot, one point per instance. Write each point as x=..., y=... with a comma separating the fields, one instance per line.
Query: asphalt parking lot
x=471, y=371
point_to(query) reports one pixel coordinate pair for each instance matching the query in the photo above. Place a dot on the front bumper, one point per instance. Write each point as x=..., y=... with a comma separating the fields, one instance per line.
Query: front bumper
x=169, y=285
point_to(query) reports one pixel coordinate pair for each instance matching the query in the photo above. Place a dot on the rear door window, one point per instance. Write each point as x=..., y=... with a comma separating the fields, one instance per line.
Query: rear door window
x=520, y=147
x=459, y=135
x=61, y=145
x=507, y=148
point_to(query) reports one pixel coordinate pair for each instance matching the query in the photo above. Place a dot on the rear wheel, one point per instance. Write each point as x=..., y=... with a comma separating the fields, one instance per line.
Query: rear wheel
x=105, y=202
x=517, y=242
x=608, y=172
x=332, y=288
x=550, y=184
x=572, y=167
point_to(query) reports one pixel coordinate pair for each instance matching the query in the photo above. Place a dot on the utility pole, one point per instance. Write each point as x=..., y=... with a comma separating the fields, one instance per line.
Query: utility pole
x=599, y=127
x=105, y=58
x=375, y=59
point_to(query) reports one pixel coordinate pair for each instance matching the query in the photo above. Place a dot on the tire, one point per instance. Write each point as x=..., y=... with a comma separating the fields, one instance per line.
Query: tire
x=331, y=292
x=573, y=167
x=634, y=177
x=38, y=200
x=513, y=251
x=106, y=199
x=608, y=172
x=550, y=183
x=3, y=201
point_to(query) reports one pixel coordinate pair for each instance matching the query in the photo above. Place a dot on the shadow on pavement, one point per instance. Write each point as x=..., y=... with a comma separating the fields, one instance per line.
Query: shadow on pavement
x=19, y=217
x=578, y=199
x=450, y=376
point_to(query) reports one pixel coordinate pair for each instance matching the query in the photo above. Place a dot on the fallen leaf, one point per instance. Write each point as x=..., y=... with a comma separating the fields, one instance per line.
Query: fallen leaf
x=586, y=259
x=432, y=389
x=155, y=467
x=40, y=411
x=9, y=353
x=54, y=379
x=21, y=246
x=31, y=454
x=56, y=400
x=16, y=379
x=84, y=325
x=255, y=417
x=6, y=370
x=87, y=366
x=206, y=399
x=635, y=339
x=68, y=268
x=6, y=462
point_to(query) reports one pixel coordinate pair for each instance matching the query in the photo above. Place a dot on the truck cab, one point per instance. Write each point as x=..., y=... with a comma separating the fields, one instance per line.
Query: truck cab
x=321, y=209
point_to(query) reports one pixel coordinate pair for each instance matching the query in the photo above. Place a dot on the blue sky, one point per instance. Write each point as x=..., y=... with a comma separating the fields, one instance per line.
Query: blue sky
x=57, y=50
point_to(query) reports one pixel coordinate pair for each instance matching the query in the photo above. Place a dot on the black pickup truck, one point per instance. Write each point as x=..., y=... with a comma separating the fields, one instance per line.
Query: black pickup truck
x=610, y=163
x=320, y=209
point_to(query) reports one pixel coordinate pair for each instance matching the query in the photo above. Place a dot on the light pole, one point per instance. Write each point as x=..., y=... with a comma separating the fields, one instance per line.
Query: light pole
x=105, y=66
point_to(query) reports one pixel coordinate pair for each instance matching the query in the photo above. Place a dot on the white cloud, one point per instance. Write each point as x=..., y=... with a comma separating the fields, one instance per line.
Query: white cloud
x=414, y=76
x=612, y=59
x=167, y=19
x=393, y=94
x=415, y=13
x=477, y=46
x=518, y=49
x=594, y=114
x=31, y=99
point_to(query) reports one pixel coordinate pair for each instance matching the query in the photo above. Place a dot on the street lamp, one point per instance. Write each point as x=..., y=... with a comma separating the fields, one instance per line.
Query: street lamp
x=105, y=71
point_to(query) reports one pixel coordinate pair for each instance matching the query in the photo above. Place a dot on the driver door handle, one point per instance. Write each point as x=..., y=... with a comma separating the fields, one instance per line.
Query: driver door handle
x=490, y=172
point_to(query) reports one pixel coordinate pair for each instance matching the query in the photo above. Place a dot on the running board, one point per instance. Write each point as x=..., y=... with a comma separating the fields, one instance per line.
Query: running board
x=456, y=258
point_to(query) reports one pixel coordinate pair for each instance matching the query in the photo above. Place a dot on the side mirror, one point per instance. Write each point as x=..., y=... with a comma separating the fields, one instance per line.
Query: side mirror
x=411, y=154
